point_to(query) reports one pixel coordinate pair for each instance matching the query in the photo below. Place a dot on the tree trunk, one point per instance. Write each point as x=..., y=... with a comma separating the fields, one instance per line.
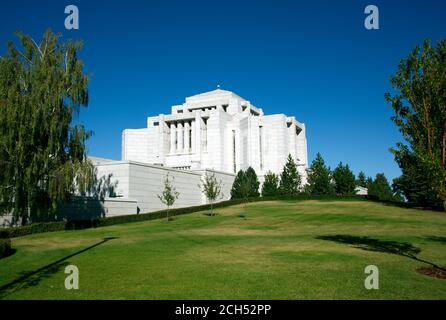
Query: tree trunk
x=24, y=216
x=167, y=213
x=212, y=211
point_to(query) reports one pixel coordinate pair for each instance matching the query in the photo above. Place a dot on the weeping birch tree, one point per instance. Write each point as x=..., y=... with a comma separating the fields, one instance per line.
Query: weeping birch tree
x=42, y=150
x=419, y=105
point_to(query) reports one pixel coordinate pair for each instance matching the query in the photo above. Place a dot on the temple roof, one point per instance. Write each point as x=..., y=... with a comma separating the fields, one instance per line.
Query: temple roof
x=212, y=94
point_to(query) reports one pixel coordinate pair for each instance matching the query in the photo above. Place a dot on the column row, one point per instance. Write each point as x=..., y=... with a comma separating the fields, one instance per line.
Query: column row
x=182, y=137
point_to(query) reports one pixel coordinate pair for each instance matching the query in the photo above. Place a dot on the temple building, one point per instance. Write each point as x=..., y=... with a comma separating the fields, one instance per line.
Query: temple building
x=218, y=130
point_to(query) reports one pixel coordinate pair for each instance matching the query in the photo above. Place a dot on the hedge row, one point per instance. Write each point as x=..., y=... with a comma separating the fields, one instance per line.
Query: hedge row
x=108, y=221
x=5, y=247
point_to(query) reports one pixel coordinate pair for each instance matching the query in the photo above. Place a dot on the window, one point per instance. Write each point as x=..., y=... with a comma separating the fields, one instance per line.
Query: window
x=180, y=111
x=233, y=152
x=156, y=124
x=261, y=147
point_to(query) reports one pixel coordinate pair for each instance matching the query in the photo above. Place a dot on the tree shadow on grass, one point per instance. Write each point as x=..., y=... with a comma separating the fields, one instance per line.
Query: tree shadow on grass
x=404, y=249
x=28, y=279
x=436, y=239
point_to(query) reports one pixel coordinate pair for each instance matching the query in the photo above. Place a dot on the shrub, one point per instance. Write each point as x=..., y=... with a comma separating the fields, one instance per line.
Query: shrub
x=5, y=247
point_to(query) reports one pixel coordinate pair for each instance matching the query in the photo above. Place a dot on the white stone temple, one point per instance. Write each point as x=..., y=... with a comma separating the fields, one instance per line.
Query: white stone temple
x=215, y=132
x=218, y=130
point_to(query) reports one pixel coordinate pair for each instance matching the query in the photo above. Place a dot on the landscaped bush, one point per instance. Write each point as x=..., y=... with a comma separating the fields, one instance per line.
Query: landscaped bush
x=5, y=247
x=102, y=222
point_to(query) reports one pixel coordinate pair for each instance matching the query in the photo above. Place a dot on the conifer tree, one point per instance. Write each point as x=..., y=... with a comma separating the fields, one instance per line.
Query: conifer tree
x=361, y=181
x=344, y=180
x=380, y=188
x=290, y=179
x=270, y=186
x=253, y=181
x=319, y=177
x=236, y=190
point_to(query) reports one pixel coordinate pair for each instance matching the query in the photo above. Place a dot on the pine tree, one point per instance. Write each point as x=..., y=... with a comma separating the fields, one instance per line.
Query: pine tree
x=236, y=190
x=290, y=179
x=380, y=188
x=42, y=155
x=253, y=181
x=368, y=182
x=270, y=186
x=319, y=178
x=361, y=182
x=344, y=180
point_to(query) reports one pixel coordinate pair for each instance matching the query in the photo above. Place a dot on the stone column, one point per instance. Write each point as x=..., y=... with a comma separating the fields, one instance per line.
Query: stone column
x=198, y=133
x=173, y=138
x=180, y=146
x=186, y=137
x=193, y=136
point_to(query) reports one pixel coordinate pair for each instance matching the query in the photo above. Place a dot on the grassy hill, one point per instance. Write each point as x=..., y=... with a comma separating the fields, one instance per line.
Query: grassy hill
x=268, y=250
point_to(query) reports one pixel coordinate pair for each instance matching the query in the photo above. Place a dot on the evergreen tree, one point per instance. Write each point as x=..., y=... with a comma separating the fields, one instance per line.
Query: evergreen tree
x=270, y=187
x=290, y=179
x=368, y=182
x=253, y=181
x=380, y=188
x=42, y=155
x=361, y=182
x=239, y=182
x=319, y=177
x=344, y=180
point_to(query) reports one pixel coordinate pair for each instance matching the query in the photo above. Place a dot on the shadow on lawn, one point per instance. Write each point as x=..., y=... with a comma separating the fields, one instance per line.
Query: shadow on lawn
x=436, y=239
x=404, y=249
x=32, y=278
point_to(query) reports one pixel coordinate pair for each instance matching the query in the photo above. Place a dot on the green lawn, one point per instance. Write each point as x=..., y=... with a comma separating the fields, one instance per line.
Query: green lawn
x=268, y=250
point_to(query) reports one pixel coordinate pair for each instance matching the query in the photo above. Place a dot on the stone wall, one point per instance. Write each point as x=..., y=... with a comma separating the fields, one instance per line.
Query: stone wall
x=144, y=182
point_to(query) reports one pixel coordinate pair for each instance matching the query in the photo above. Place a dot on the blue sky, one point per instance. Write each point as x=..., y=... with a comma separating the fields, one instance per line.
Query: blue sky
x=313, y=59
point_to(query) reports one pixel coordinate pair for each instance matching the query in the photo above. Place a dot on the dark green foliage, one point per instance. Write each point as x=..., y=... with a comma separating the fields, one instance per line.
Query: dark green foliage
x=413, y=184
x=368, y=182
x=42, y=155
x=5, y=247
x=245, y=185
x=290, y=179
x=420, y=114
x=236, y=190
x=319, y=178
x=381, y=189
x=362, y=180
x=270, y=186
x=253, y=182
x=344, y=180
